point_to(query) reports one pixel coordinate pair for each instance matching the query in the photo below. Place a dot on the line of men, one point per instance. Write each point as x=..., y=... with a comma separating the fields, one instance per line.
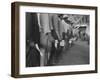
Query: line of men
x=50, y=34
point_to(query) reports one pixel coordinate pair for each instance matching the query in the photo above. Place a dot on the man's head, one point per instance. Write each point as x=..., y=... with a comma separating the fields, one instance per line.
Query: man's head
x=60, y=16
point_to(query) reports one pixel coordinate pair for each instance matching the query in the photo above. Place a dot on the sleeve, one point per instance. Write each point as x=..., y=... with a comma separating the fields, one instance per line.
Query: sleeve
x=44, y=21
x=40, y=27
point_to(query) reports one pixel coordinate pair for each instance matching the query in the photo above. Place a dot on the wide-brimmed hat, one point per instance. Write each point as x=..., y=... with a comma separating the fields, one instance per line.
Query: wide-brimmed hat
x=65, y=16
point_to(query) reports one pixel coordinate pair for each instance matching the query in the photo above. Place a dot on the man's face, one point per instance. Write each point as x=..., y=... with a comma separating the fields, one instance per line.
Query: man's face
x=66, y=19
x=61, y=17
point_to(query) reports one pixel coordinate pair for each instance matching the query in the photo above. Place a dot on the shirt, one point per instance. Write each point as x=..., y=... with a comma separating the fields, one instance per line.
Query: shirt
x=44, y=22
x=66, y=26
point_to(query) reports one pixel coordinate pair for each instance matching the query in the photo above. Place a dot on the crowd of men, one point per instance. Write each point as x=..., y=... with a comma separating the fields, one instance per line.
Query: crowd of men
x=47, y=35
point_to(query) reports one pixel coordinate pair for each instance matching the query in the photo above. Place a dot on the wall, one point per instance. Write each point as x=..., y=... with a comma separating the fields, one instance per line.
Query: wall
x=5, y=40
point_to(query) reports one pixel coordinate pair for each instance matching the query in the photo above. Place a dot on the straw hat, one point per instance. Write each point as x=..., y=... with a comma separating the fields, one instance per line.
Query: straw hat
x=65, y=16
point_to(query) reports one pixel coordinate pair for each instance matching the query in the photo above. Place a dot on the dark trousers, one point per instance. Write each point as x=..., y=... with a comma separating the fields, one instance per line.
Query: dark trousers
x=55, y=54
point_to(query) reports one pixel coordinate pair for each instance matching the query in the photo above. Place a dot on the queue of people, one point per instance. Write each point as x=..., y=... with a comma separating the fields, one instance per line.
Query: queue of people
x=47, y=35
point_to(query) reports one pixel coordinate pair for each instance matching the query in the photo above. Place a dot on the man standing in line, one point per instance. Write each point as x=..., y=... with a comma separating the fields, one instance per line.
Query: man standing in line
x=32, y=29
x=45, y=36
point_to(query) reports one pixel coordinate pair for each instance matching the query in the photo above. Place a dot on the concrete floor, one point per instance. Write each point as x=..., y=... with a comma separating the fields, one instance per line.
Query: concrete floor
x=75, y=55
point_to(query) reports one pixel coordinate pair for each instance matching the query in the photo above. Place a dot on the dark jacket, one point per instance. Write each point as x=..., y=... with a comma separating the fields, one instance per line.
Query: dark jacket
x=32, y=27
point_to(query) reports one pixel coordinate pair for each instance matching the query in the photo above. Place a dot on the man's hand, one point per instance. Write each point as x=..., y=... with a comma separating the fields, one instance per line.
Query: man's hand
x=56, y=42
x=62, y=43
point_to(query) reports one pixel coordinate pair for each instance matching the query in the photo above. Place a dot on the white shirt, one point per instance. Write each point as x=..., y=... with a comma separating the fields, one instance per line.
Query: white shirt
x=66, y=26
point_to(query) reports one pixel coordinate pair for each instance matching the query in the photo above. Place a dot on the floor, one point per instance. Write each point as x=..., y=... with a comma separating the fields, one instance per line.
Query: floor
x=77, y=54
